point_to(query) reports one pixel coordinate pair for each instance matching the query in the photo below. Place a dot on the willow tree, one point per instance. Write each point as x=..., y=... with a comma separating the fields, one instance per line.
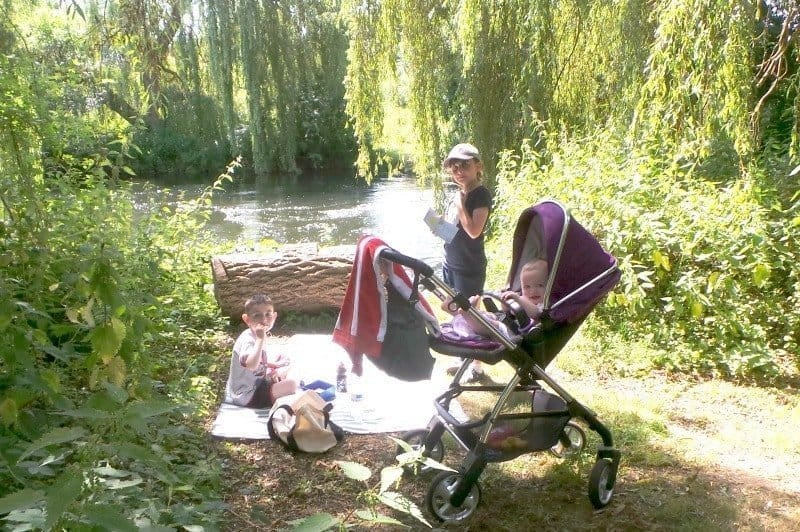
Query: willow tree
x=697, y=97
x=491, y=72
x=133, y=42
x=218, y=23
x=270, y=62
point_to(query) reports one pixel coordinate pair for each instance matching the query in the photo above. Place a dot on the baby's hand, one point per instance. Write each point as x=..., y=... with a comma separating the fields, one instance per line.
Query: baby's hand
x=505, y=296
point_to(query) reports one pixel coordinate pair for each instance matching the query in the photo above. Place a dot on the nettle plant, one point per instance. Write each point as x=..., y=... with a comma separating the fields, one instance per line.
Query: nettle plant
x=87, y=436
x=381, y=493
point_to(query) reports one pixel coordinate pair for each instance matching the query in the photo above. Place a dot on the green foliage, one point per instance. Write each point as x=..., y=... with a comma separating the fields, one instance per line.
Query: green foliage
x=83, y=422
x=488, y=72
x=697, y=256
x=285, y=83
x=696, y=98
x=380, y=493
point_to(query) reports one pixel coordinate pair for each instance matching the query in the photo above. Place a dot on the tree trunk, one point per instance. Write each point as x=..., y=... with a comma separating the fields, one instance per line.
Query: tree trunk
x=299, y=278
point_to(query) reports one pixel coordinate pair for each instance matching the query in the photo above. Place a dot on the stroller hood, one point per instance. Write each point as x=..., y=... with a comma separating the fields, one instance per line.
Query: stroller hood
x=580, y=272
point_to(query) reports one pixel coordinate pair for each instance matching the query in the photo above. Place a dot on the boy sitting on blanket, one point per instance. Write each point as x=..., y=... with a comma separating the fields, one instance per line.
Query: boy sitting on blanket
x=256, y=378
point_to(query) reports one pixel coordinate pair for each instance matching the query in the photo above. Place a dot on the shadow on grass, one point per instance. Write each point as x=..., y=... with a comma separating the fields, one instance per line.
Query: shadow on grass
x=655, y=489
x=657, y=486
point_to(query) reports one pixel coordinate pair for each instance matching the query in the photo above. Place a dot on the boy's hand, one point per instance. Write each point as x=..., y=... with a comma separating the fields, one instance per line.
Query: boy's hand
x=260, y=330
x=280, y=362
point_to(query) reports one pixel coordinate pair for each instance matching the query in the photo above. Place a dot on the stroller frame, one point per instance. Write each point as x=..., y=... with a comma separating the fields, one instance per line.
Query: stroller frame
x=453, y=497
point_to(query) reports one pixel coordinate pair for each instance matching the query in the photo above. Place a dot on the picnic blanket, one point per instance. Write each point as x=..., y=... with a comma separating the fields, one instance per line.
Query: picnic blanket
x=388, y=404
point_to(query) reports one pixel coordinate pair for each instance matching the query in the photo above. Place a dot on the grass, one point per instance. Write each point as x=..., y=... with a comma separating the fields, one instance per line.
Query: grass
x=697, y=455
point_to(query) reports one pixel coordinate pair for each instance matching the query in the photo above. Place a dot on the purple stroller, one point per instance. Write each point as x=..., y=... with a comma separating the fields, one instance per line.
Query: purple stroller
x=580, y=274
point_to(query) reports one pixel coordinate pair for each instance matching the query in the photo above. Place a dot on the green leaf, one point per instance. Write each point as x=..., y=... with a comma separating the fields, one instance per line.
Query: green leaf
x=376, y=518
x=60, y=495
x=106, y=339
x=389, y=477
x=402, y=443
x=761, y=274
x=354, y=470
x=315, y=523
x=117, y=393
x=54, y=437
x=19, y=500
x=111, y=472
x=118, y=484
x=400, y=502
x=661, y=260
x=29, y=519
x=8, y=411
x=110, y=518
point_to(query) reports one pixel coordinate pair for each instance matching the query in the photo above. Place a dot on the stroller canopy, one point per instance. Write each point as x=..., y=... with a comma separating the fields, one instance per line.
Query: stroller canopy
x=580, y=271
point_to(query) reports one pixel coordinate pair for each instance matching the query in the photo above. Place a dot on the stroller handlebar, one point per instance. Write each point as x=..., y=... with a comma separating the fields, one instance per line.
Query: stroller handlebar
x=404, y=260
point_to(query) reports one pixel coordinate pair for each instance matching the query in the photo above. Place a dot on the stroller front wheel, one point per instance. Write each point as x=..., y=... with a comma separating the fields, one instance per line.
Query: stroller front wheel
x=439, y=493
x=601, y=485
x=416, y=439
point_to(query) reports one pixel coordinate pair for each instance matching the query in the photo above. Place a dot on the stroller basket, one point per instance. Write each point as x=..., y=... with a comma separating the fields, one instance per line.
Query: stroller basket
x=541, y=432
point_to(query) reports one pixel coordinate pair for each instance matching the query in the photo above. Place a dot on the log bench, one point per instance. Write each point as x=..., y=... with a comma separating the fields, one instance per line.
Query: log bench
x=297, y=277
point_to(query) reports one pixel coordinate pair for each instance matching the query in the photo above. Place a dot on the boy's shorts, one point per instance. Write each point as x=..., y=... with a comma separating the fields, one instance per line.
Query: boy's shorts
x=262, y=398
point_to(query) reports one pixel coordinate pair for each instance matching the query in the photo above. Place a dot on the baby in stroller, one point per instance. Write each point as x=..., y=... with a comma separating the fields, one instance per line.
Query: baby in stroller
x=464, y=326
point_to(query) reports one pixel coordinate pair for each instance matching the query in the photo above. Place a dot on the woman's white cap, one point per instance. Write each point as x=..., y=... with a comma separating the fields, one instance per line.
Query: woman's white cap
x=462, y=152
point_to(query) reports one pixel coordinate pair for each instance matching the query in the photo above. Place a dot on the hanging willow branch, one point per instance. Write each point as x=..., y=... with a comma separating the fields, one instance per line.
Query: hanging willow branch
x=775, y=67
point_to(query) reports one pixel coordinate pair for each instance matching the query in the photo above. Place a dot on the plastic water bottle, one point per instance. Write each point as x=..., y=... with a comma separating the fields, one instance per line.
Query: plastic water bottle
x=357, y=398
x=341, y=378
x=356, y=389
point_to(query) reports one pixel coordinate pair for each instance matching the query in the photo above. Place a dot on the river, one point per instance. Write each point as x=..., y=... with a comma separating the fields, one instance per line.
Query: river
x=326, y=211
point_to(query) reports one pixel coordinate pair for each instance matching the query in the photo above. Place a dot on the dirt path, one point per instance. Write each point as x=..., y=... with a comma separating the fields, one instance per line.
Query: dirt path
x=746, y=431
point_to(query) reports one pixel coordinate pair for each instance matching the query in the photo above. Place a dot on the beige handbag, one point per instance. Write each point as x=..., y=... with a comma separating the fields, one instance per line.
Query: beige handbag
x=305, y=424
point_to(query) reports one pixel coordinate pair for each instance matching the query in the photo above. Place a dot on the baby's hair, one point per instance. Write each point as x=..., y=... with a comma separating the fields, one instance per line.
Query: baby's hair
x=533, y=263
x=256, y=300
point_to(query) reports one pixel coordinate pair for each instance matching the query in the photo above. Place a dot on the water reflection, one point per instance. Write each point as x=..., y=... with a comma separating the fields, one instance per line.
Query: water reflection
x=327, y=211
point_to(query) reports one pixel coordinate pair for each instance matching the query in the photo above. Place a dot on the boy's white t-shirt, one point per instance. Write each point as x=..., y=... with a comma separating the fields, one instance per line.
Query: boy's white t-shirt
x=242, y=381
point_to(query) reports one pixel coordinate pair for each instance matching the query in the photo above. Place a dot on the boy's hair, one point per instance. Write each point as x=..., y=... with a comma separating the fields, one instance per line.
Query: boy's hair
x=256, y=300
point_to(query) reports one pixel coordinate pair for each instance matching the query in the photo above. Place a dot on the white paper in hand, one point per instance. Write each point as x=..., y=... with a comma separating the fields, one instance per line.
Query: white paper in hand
x=441, y=228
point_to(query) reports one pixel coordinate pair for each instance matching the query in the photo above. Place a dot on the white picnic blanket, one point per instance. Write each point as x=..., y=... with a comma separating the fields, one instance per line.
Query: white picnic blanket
x=388, y=404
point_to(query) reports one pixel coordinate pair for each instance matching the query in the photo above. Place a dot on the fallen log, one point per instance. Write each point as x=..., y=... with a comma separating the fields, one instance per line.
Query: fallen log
x=297, y=277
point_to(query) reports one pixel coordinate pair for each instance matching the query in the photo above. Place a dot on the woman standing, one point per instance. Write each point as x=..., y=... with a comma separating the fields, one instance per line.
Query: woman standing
x=464, y=267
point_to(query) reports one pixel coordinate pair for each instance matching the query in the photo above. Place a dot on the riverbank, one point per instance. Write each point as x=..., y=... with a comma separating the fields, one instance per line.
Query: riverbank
x=704, y=455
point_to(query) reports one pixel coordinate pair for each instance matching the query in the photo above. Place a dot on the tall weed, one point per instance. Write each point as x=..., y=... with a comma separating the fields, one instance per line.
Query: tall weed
x=89, y=436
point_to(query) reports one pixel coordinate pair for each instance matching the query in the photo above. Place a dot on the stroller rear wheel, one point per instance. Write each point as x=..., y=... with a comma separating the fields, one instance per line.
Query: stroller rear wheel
x=601, y=485
x=417, y=438
x=577, y=441
x=438, y=498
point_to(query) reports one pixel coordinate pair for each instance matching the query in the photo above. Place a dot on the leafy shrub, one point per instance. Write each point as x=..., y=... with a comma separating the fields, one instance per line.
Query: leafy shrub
x=89, y=436
x=709, y=275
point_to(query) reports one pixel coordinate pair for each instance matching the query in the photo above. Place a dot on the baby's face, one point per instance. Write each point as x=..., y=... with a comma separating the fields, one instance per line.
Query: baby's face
x=533, y=281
